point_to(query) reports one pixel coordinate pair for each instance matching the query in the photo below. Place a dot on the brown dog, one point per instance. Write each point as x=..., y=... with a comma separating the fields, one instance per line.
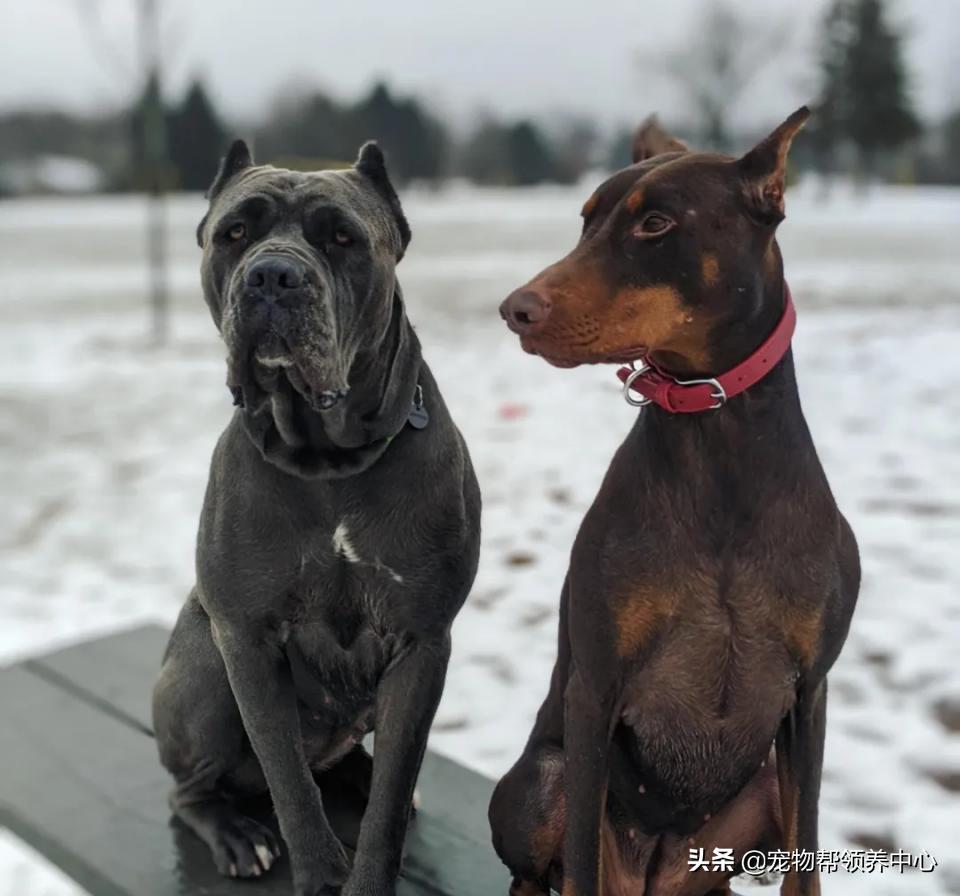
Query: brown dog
x=713, y=580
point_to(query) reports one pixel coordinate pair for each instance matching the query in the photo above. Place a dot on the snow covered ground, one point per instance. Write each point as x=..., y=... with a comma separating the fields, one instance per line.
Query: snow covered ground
x=104, y=446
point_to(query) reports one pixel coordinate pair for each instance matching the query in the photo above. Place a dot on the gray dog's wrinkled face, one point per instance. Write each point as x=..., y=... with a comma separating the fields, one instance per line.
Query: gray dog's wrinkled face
x=298, y=270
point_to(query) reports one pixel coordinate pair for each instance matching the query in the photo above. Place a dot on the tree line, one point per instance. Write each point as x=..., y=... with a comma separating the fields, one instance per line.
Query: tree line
x=309, y=130
x=864, y=119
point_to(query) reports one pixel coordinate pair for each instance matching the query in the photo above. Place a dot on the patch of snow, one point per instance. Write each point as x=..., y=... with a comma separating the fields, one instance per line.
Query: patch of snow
x=25, y=872
x=105, y=445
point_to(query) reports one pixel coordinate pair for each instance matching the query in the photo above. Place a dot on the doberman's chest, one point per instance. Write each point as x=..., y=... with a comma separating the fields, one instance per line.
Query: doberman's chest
x=707, y=676
x=709, y=693
x=705, y=653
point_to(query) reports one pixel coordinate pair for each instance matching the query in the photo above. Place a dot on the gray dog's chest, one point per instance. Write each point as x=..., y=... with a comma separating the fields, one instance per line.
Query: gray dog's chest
x=362, y=557
x=338, y=634
x=344, y=574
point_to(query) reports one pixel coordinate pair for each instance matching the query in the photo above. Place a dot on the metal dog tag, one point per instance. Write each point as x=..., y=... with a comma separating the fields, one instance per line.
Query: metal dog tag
x=418, y=417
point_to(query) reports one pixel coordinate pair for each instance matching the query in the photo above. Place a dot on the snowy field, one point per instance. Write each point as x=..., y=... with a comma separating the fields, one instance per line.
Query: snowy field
x=104, y=446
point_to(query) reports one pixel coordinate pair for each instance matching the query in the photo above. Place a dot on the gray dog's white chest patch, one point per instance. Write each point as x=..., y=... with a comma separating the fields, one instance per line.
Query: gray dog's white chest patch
x=344, y=547
x=342, y=544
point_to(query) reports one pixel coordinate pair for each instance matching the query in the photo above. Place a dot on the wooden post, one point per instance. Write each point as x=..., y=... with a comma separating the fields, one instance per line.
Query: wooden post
x=154, y=142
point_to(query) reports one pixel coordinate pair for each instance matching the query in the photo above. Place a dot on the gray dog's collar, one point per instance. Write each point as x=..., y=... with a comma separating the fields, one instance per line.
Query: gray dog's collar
x=328, y=461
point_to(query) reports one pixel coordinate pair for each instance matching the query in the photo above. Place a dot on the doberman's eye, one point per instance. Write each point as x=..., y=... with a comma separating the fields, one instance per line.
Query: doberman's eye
x=654, y=224
x=237, y=232
x=342, y=238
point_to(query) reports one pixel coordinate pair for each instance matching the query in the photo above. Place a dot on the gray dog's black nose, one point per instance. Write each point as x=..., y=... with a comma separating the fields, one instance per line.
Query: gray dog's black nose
x=274, y=276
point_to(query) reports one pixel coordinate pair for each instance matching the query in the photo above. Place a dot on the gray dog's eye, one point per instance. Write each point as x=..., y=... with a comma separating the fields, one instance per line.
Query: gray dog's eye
x=237, y=232
x=342, y=238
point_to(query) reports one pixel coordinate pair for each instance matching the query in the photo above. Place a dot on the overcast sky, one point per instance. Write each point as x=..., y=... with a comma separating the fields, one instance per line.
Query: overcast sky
x=514, y=57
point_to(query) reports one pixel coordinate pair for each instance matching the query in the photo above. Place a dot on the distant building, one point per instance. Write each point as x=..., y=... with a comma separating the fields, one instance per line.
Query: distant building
x=50, y=174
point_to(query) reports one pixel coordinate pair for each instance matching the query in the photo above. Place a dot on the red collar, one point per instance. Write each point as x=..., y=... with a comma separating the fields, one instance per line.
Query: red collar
x=691, y=396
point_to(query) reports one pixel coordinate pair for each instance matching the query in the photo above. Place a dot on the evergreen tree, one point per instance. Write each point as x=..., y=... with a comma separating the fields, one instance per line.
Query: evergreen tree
x=864, y=94
x=880, y=114
x=196, y=139
x=516, y=154
x=414, y=142
x=483, y=157
x=575, y=149
x=149, y=140
x=529, y=155
x=312, y=127
x=825, y=130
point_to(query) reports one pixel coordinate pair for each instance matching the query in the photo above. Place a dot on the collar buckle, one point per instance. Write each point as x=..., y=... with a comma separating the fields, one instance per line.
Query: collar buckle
x=635, y=372
x=719, y=393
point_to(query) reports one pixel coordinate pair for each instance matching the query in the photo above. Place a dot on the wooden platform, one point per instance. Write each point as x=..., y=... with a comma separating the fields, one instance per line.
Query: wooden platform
x=82, y=784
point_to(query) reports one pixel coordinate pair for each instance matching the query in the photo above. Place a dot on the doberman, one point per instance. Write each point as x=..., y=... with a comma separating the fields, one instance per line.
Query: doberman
x=712, y=582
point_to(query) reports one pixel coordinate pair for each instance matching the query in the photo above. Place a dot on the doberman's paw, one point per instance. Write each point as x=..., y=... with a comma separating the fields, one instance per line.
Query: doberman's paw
x=244, y=848
x=528, y=888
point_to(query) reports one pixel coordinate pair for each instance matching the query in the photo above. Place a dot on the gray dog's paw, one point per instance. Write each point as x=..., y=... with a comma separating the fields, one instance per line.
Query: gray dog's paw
x=326, y=881
x=327, y=889
x=368, y=889
x=245, y=848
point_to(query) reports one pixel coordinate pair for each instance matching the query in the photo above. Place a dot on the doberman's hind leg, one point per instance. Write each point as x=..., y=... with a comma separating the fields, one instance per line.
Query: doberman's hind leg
x=527, y=818
x=751, y=821
x=203, y=744
x=799, y=764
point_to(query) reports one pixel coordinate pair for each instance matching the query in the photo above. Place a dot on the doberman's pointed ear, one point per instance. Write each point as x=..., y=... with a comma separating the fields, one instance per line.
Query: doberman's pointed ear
x=764, y=168
x=237, y=158
x=650, y=140
x=372, y=165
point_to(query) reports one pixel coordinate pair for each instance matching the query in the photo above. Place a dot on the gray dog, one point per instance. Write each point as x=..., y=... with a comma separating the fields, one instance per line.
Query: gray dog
x=339, y=535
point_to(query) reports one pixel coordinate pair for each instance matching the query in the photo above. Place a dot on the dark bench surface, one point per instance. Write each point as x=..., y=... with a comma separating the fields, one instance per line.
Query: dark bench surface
x=82, y=784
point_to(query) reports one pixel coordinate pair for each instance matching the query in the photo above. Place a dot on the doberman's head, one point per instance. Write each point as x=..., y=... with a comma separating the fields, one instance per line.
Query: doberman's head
x=677, y=261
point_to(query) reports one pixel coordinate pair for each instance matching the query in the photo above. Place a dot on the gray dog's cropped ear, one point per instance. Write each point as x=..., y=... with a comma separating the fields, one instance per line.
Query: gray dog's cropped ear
x=237, y=158
x=372, y=165
x=650, y=140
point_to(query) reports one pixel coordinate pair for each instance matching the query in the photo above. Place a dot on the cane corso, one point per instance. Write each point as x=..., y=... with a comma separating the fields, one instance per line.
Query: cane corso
x=713, y=581
x=338, y=539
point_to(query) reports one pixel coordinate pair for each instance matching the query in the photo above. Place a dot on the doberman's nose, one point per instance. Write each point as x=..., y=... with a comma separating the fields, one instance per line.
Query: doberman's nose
x=525, y=310
x=273, y=277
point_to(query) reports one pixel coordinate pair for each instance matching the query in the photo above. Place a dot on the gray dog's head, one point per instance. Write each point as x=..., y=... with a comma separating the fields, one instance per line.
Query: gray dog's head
x=298, y=271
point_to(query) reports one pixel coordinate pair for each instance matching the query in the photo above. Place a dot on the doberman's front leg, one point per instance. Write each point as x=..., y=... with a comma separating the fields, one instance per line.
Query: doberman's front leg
x=407, y=700
x=586, y=744
x=799, y=763
x=262, y=685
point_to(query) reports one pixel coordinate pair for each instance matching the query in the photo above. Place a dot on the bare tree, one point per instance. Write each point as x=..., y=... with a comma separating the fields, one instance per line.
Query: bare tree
x=151, y=138
x=155, y=149
x=728, y=51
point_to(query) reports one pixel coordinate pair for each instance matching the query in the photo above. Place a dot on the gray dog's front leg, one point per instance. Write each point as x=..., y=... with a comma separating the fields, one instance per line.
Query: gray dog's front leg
x=407, y=700
x=261, y=682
